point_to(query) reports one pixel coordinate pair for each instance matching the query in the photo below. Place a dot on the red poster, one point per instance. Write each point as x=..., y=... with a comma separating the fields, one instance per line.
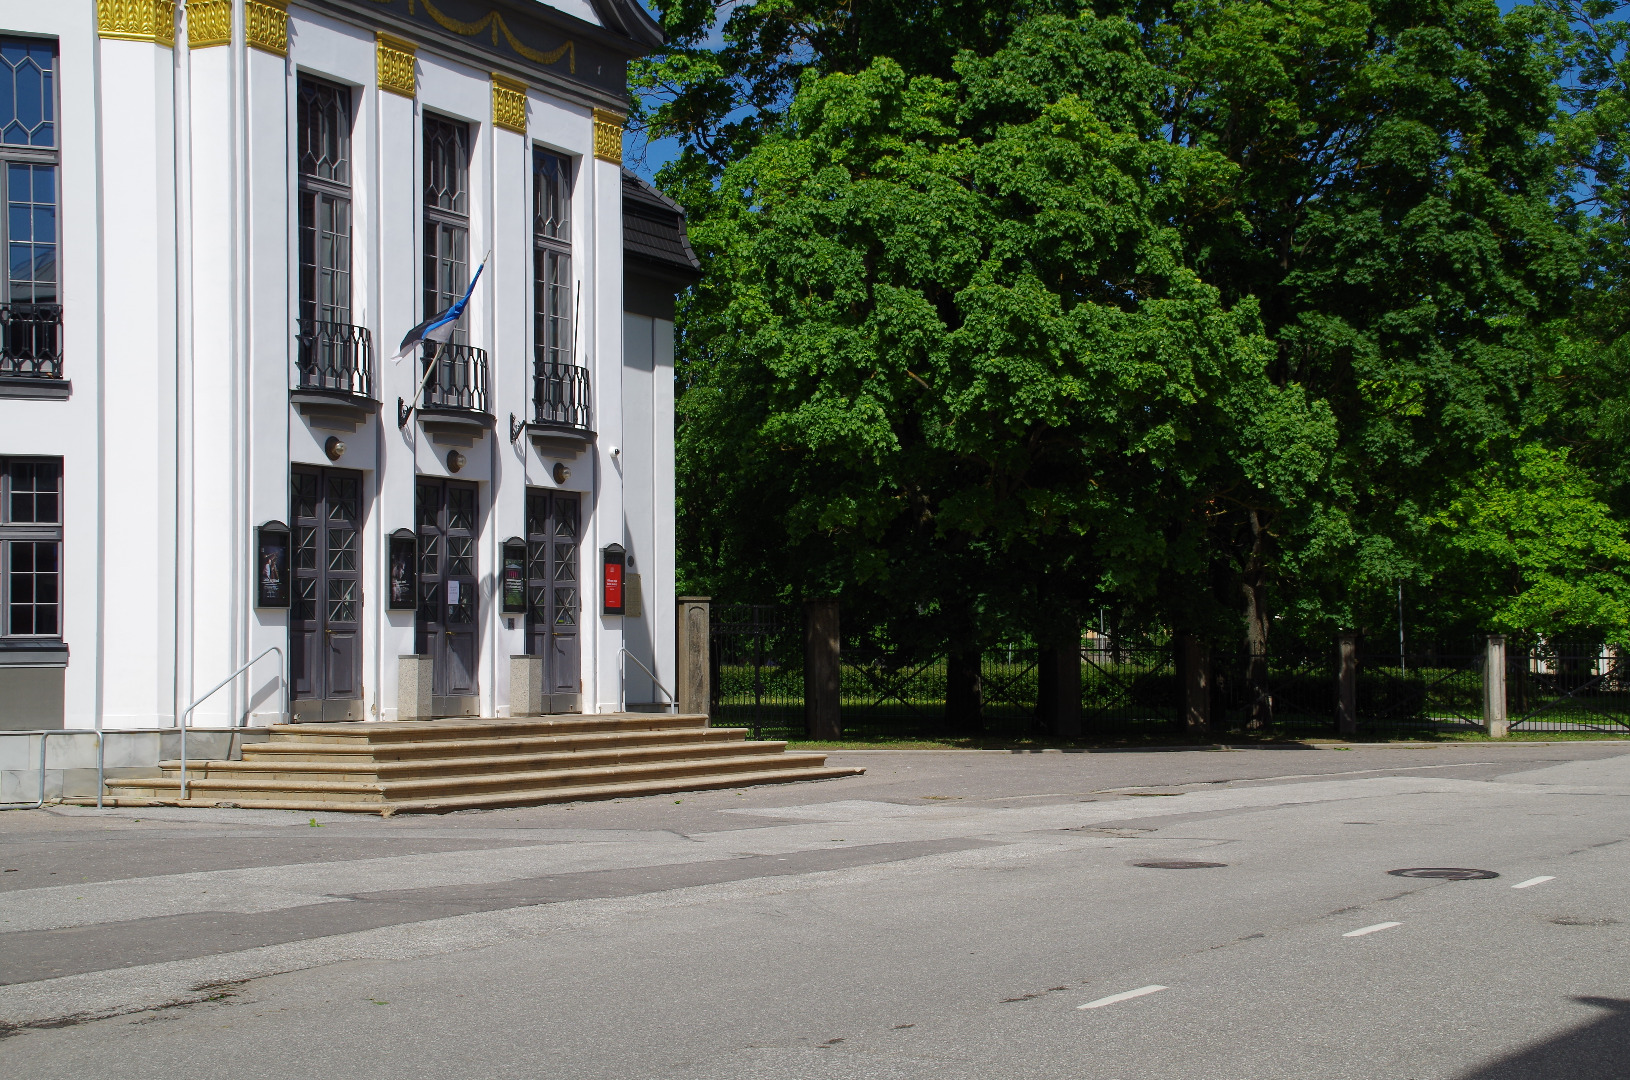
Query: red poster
x=614, y=586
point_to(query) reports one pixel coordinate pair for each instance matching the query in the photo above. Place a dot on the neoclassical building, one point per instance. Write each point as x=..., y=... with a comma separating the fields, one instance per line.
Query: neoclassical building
x=222, y=218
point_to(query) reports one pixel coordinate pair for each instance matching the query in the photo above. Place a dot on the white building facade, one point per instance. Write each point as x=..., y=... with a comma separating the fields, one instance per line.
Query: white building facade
x=222, y=216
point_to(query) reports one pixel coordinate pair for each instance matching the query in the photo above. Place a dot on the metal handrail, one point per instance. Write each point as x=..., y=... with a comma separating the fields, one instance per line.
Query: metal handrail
x=282, y=705
x=622, y=679
x=45, y=737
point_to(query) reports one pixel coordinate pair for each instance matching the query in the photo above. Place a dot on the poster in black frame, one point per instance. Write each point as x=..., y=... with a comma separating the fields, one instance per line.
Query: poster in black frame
x=514, y=576
x=272, y=565
x=404, y=565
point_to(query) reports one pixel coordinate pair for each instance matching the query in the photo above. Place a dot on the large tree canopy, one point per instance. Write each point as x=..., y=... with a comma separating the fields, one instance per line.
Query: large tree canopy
x=1193, y=311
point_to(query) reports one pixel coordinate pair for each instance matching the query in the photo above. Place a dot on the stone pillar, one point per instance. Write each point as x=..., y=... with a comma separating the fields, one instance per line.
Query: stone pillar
x=527, y=694
x=694, y=666
x=1196, y=667
x=1058, y=689
x=1347, y=691
x=822, y=718
x=1494, y=704
x=413, y=688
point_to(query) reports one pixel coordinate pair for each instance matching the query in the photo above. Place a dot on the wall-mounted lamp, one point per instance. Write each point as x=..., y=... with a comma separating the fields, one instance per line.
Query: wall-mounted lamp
x=562, y=473
x=455, y=461
x=334, y=448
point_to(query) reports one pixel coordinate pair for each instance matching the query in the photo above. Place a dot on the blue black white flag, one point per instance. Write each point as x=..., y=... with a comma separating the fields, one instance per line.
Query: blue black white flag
x=438, y=329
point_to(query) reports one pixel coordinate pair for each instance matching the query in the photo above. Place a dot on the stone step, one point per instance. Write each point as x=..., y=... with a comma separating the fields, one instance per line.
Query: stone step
x=240, y=787
x=584, y=793
x=444, y=748
x=362, y=768
x=410, y=731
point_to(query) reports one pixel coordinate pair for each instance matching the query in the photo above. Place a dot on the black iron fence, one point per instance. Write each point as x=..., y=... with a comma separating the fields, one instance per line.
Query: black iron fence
x=31, y=341
x=336, y=357
x=560, y=396
x=1134, y=691
x=1568, y=687
x=460, y=379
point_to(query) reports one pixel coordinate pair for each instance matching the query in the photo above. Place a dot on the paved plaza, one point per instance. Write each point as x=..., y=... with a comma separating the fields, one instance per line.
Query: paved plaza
x=947, y=915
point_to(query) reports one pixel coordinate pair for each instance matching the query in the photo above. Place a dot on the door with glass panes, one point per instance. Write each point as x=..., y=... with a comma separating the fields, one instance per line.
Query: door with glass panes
x=553, y=603
x=446, y=627
x=325, y=616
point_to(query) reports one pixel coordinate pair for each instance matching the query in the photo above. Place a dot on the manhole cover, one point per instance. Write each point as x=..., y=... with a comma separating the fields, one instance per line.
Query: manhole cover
x=1178, y=864
x=1448, y=873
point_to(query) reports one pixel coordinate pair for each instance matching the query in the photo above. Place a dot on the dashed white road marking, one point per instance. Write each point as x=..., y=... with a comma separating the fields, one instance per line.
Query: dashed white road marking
x=1361, y=931
x=1127, y=996
x=1534, y=881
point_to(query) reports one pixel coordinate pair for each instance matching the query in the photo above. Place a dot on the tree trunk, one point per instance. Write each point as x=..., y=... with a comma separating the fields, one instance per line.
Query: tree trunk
x=1254, y=584
x=964, y=694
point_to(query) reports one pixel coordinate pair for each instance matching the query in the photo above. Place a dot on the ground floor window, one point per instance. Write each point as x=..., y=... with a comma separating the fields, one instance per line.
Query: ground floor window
x=31, y=547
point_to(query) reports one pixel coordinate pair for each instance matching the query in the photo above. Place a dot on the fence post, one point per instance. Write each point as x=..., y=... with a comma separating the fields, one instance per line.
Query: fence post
x=1494, y=706
x=694, y=663
x=822, y=678
x=1196, y=665
x=1347, y=691
x=1058, y=688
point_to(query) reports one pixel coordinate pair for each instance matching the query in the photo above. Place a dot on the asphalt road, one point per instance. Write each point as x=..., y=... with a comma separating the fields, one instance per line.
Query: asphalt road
x=946, y=915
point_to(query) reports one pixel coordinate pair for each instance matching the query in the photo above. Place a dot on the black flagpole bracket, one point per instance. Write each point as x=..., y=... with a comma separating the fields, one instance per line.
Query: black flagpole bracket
x=404, y=412
x=515, y=428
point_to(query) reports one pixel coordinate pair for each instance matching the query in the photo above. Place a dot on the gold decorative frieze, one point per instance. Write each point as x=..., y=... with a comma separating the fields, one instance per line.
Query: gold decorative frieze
x=396, y=65
x=608, y=136
x=493, y=22
x=209, y=23
x=266, y=25
x=137, y=20
x=508, y=104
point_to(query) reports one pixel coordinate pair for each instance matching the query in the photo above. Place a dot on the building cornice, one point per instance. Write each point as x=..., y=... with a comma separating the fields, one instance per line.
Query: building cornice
x=137, y=20
x=526, y=41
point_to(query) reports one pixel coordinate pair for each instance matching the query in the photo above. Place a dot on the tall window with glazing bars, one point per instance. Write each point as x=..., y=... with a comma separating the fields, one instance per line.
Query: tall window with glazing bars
x=333, y=354
x=560, y=394
x=460, y=379
x=31, y=315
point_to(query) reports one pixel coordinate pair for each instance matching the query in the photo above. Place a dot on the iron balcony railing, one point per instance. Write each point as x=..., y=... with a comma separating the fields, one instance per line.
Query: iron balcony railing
x=31, y=341
x=560, y=395
x=335, y=356
x=460, y=378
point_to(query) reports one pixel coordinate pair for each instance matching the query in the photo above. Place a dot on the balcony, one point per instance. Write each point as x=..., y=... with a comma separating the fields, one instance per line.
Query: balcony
x=335, y=358
x=560, y=399
x=31, y=351
x=459, y=383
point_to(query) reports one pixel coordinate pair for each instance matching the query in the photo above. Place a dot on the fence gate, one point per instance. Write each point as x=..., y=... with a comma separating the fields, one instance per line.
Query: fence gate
x=757, y=658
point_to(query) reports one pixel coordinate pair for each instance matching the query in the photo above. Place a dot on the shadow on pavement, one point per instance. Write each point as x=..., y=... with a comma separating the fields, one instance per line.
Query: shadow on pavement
x=1599, y=1050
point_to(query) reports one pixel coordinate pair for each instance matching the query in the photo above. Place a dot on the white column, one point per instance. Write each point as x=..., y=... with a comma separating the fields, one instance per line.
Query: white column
x=216, y=419
x=394, y=171
x=603, y=310
x=138, y=521
x=270, y=321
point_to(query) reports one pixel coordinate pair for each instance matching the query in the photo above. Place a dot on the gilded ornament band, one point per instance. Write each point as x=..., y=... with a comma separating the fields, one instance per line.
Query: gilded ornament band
x=508, y=104
x=266, y=25
x=395, y=60
x=209, y=23
x=137, y=20
x=608, y=136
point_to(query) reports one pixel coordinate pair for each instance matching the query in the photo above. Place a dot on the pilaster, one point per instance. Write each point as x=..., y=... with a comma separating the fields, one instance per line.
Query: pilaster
x=603, y=307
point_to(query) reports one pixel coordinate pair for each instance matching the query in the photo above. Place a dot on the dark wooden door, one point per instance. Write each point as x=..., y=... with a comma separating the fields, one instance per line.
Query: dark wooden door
x=446, y=627
x=325, y=617
x=552, y=588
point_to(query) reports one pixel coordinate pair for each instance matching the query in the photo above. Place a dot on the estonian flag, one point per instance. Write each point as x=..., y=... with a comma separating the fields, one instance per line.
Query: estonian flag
x=439, y=328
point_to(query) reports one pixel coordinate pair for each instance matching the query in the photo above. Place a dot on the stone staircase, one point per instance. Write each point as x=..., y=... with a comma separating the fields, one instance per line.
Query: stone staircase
x=431, y=766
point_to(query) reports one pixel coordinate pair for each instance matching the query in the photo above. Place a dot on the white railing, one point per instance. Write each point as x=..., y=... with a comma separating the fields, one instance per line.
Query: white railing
x=282, y=704
x=45, y=737
x=622, y=681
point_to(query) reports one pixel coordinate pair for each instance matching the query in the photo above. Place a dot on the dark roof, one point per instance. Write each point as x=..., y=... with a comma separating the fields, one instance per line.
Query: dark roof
x=654, y=237
x=631, y=18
